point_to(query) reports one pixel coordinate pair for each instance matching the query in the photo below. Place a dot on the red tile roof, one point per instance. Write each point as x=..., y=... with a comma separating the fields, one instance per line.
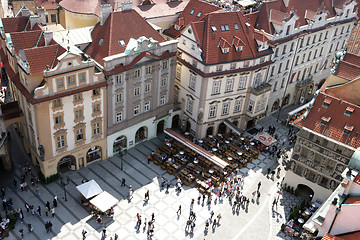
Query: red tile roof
x=251, y=17
x=15, y=24
x=82, y=6
x=346, y=236
x=339, y=121
x=117, y=28
x=208, y=40
x=50, y=4
x=38, y=58
x=349, y=67
x=352, y=200
x=23, y=40
x=190, y=14
x=266, y=15
x=357, y=179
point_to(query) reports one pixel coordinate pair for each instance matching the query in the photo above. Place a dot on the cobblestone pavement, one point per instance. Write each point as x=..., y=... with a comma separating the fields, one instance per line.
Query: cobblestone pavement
x=258, y=221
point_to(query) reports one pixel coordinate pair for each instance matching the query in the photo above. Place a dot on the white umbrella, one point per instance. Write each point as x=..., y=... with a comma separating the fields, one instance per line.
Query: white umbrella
x=89, y=189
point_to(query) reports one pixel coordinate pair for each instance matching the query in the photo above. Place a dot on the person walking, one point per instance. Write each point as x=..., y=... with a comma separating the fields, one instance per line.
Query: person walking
x=259, y=185
x=50, y=226
x=32, y=210
x=211, y=214
x=117, y=236
x=29, y=227
x=214, y=224
x=268, y=171
x=53, y=211
x=103, y=231
x=21, y=231
x=39, y=210
x=152, y=217
x=27, y=207
x=47, y=205
x=37, y=190
x=47, y=227
x=46, y=210
x=218, y=217
x=179, y=210
x=192, y=203
x=188, y=222
x=84, y=232
x=278, y=172
x=123, y=182
x=54, y=203
x=207, y=224
x=168, y=186
x=147, y=195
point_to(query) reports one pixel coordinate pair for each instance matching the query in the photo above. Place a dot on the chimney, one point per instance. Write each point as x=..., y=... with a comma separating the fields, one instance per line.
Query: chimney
x=105, y=11
x=48, y=37
x=40, y=11
x=25, y=12
x=126, y=6
x=286, y=3
x=34, y=20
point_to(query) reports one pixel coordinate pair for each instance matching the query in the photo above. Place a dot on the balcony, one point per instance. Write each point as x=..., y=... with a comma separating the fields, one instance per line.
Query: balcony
x=308, y=80
x=261, y=89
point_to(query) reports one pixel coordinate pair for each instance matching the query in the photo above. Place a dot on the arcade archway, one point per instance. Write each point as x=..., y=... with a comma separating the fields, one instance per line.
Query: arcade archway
x=119, y=143
x=94, y=154
x=141, y=134
x=67, y=163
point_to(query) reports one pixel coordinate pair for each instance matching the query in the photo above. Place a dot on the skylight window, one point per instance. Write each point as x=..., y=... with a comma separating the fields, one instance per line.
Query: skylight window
x=199, y=14
x=224, y=28
x=122, y=42
x=213, y=28
x=236, y=26
x=192, y=12
x=101, y=41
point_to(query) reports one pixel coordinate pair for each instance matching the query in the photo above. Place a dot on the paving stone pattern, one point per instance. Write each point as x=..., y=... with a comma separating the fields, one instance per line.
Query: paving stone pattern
x=256, y=222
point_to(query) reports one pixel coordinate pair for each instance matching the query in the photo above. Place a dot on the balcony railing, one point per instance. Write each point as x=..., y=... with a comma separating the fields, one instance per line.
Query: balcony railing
x=261, y=89
x=305, y=82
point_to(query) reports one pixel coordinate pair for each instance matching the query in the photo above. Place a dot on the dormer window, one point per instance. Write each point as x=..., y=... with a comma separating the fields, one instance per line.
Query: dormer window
x=348, y=129
x=224, y=28
x=325, y=120
x=122, y=43
x=225, y=50
x=348, y=111
x=326, y=103
x=101, y=41
x=199, y=14
x=239, y=48
x=192, y=12
x=213, y=28
x=236, y=26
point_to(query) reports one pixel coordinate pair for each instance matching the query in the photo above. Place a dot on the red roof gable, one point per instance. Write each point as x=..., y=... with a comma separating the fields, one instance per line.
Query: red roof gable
x=228, y=25
x=194, y=11
x=38, y=58
x=334, y=129
x=23, y=40
x=266, y=15
x=15, y=24
x=105, y=38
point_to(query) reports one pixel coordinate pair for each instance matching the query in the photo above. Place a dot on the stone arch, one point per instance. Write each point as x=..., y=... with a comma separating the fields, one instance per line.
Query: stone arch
x=141, y=134
x=119, y=143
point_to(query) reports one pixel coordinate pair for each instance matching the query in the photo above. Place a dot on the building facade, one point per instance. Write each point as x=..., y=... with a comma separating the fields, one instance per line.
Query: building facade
x=140, y=72
x=304, y=38
x=221, y=74
x=62, y=96
x=353, y=45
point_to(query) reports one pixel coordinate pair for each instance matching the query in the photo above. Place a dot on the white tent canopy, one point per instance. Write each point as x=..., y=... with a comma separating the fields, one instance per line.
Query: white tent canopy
x=104, y=201
x=89, y=189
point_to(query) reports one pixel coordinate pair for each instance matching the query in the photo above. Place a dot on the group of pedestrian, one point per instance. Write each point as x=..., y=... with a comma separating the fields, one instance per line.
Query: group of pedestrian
x=48, y=226
x=147, y=224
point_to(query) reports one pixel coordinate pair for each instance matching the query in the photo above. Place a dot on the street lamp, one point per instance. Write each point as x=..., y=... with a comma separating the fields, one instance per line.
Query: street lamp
x=121, y=154
x=63, y=184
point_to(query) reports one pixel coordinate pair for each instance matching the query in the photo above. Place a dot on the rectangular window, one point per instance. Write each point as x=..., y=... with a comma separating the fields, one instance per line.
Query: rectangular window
x=194, y=63
x=136, y=110
x=137, y=91
x=61, y=141
x=118, y=79
x=71, y=79
x=232, y=65
x=237, y=107
x=251, y=106
x=96, y=128
x=246, y=63
x=284, y=49
x=275, y=86
x=96, y=92
x=219, y=68
x=287, y=64
x=229, y=85
x=276, y=52
x=60, y=82
x=53, y=18
x=137, y=73
x=96, y=108
x=58, y=120
x=118, y=97
x=77, y=97
x=212, y=112
x=79, y=135
x=147, y=107
x=280, y=67
x=118, y=117
x=192, y=83
x=165, y=64
x=292, y=47
x=57, y=102
x=216, y=87
x=189, y=107
x=257, y=106
x=163, y=82
x=297, y=61
x=225, y=109
x=148, y=69
x=147, y=87
x=78, y=114
x=162, y=100
x=242, y=82
x=82, y=77
x=178, y=72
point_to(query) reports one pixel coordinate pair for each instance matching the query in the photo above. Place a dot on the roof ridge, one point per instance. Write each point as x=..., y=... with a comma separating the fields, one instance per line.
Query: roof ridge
x=39, y=38
x=52, y=64
x=239, y=14
x=110, y=32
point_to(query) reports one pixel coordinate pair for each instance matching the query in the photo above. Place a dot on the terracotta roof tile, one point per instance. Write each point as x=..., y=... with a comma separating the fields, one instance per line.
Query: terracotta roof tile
x=38, y=58
x=266, y=15
x=15, y=24
x=352, y=200
x=190, y=14
x=328, y=236
x=326, y=119
x=345, y=236
x=347, y=71
x=251, y=17
x=228, y=25
x=23, y=40
x=50, y=4
x=333, y=129
x=105, y=38
x=357, y=179
x=81, y=6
